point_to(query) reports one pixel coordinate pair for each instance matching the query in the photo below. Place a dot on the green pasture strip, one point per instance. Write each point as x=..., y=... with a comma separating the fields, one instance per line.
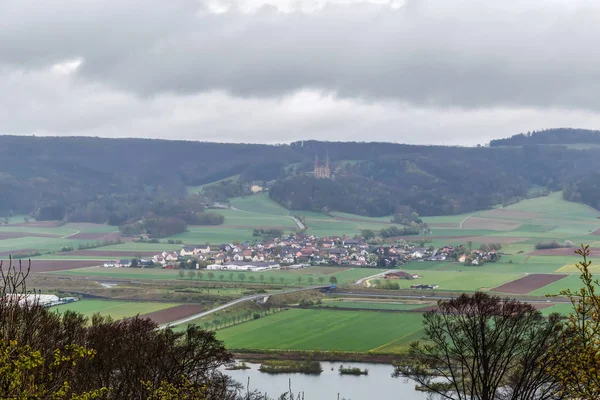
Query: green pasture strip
x=116, y=309
x=468, y=280
x=401, y=344
x=60, y=231
x=499, y=267
x=370, y=305
x=138, y=246
x=570, y=282
x=539, y=236
x=438, y=231
x=40, y=244
x=212, y=235
x=122, y=273
x=52, y=257
x=563, y=309
x=323, y=330
x=91, y=228
x=555, y=206
x=534, y=228
x=330, y=227
x=249, y=219
x=259, y=203
x=387, y=218
x=343, y=275
x=449, y=219
x=559, y=260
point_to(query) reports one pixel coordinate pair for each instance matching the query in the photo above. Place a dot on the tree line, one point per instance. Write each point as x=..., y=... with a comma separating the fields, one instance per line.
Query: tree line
x=98, y=180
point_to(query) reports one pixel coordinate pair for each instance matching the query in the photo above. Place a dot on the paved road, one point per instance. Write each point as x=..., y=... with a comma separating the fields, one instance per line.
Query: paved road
x=231, y=303
x=299, y=223
x=361, y=280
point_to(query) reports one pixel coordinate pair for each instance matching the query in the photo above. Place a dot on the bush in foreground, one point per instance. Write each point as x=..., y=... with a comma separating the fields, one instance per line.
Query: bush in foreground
x=51, y=356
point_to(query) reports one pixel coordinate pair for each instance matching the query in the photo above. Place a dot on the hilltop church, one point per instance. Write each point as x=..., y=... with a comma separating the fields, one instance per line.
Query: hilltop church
x=322, y=171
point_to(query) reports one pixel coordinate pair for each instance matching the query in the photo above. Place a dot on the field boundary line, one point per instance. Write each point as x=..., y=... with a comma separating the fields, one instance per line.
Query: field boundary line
x=388, y=343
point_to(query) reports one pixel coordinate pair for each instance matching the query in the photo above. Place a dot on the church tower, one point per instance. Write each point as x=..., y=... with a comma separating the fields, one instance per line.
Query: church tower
x=322, y=172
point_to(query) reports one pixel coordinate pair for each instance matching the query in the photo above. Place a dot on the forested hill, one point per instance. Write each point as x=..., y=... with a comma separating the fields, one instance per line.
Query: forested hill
x=73, y=173
x=551, y=136
x=119, y=180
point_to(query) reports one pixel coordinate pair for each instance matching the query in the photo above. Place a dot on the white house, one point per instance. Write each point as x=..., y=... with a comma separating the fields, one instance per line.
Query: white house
x=188, y=251
x=203, y=249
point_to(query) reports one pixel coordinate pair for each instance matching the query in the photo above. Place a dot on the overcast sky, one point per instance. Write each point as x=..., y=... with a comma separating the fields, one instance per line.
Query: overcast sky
x=410, y=71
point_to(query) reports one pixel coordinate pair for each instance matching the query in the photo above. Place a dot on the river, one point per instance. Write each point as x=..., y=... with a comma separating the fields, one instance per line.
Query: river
x=377, y=385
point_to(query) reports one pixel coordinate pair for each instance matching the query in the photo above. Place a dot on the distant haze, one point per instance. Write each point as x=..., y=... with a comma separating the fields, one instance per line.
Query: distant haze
x=410, y=71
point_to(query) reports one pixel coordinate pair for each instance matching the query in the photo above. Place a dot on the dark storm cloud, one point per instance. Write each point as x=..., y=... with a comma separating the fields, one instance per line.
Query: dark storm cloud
x=432, y=53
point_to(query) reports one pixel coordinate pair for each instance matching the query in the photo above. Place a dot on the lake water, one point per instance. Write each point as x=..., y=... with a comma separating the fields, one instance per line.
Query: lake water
x=377, y=385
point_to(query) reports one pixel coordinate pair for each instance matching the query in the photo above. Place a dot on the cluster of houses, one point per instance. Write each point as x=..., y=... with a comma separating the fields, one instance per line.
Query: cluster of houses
x=300, y=250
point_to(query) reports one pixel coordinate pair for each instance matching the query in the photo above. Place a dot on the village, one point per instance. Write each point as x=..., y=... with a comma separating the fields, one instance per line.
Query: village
x=299, y=251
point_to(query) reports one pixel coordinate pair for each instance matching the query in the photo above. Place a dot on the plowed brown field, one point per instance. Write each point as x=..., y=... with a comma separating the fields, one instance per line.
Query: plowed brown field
x=174, y=313
x=528, y=283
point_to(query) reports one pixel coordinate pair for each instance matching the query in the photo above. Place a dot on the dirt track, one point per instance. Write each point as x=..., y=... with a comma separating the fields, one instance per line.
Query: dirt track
x=528, y=283
x=174, y=313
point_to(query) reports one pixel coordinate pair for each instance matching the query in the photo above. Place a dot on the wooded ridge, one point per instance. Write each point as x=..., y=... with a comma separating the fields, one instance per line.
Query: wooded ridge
x=119, y=180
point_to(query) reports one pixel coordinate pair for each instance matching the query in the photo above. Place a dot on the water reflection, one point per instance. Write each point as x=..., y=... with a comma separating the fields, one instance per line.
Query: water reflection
x=377, y=385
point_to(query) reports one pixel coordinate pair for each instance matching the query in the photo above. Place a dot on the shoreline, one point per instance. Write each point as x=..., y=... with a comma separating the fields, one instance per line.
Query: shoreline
x=258, y=356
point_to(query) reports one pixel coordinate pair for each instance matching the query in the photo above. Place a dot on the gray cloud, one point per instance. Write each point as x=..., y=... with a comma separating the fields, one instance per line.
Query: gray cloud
x=431, y=52
x=433, y=71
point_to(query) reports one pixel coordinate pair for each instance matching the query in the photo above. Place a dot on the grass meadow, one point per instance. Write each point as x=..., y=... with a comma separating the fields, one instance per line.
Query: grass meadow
x=372, y=305
x=351, y=331
x=343, y=275
x=115, y=309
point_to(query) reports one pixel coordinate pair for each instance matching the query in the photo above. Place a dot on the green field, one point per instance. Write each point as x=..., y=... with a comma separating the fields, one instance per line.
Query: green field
x=115, y=309
x=260, y=210
x=343, y=275
x=458, y=281
x=371, y=305
x=352, y=331
x=564, y=309
x=570, y=282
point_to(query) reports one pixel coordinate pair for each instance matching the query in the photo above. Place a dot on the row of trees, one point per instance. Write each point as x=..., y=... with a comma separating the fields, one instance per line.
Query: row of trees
x=192, y=274
x=482, y=347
